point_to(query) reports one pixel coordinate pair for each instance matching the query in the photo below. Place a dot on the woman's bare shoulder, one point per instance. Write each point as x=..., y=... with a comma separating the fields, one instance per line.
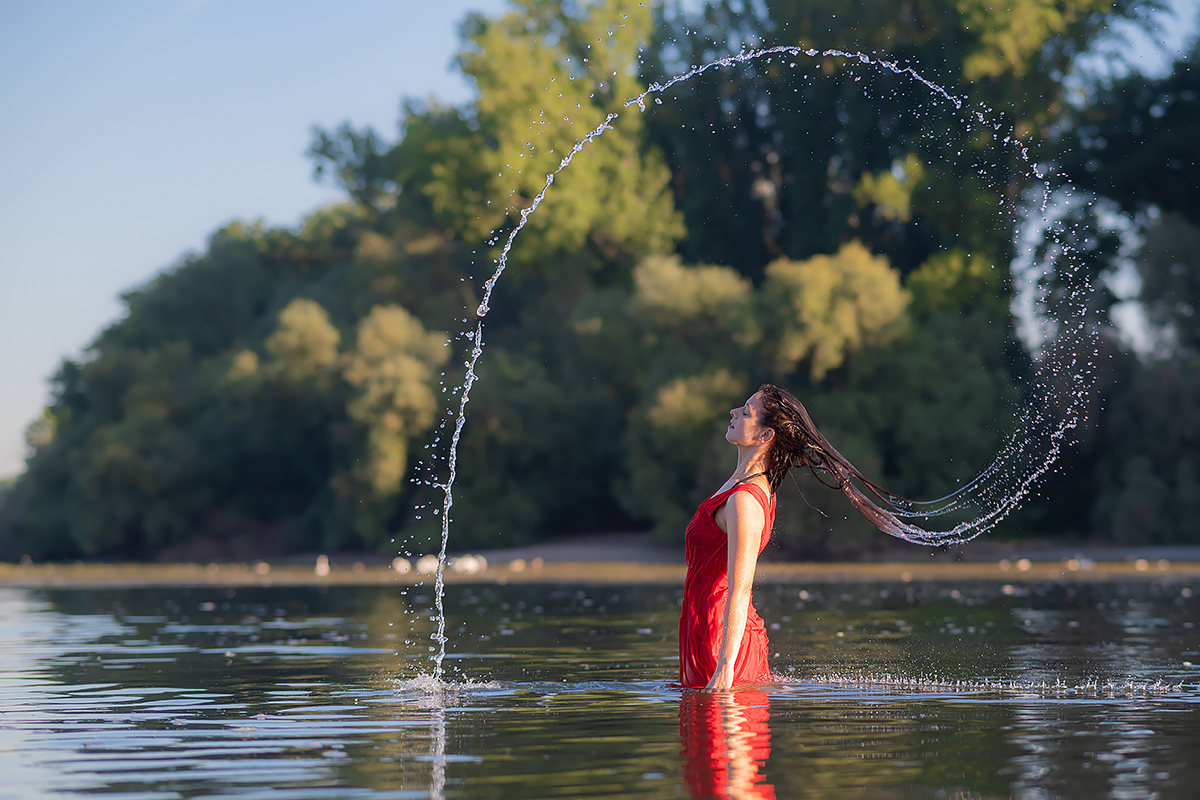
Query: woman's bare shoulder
x=746, y=500
x=744, y=503
x=759, y=491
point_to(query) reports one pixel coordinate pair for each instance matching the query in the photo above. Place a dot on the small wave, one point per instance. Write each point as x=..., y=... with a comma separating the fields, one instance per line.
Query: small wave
x=1102, y=688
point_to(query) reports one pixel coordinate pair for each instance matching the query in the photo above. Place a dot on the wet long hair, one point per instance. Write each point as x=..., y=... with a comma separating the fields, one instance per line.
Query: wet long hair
x=799, y=445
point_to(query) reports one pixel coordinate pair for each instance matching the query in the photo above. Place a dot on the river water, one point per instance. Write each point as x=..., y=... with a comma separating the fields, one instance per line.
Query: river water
x=885, y=691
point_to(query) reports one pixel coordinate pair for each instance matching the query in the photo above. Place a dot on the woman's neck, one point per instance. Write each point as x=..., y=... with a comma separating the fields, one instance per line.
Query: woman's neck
x=751, y=461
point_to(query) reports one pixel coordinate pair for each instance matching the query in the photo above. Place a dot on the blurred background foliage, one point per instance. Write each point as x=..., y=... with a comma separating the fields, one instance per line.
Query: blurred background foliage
x=824, y=227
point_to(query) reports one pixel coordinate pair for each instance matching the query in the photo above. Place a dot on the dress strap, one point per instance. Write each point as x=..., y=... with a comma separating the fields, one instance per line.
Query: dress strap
x=753, y=488
x=748, y=478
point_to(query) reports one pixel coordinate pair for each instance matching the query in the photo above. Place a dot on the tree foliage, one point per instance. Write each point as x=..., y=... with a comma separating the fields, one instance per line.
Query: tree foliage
x=830, y=306
x=547, y=75
x=225, y=414
x=1135, y=141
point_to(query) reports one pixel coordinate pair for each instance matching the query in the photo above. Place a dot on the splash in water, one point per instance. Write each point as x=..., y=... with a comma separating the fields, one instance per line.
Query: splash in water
x=1063, y=369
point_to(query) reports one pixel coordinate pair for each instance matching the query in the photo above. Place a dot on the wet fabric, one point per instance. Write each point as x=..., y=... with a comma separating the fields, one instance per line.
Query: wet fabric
x=702, y=616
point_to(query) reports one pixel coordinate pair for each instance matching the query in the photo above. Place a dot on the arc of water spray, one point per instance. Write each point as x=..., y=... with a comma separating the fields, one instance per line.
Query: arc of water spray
x=656, y=88
x=958, y=533
x=477, y=351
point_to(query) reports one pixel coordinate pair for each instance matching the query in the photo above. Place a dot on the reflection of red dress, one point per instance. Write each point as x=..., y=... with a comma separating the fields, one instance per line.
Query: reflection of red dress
x=725, y=741
x=703, y=614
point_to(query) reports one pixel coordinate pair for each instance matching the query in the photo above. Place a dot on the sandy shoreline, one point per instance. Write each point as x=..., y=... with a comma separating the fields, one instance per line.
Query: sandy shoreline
x=634, y=558
x=92, y=576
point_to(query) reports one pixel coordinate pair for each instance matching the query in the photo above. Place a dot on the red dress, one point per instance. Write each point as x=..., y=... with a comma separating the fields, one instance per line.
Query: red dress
x=702, y=618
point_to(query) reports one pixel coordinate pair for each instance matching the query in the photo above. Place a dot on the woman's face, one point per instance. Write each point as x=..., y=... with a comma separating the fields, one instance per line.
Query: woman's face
x=744, y=424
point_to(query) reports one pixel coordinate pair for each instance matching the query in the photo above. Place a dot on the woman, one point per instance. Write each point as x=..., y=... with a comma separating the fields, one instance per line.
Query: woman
x=722, y=641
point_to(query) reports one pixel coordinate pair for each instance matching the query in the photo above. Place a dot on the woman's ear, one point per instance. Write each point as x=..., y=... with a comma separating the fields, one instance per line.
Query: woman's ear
x=767, y=435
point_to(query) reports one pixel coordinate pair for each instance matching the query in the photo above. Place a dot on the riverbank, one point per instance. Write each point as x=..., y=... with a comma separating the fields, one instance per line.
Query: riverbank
x=633, y=558
x=93, y=576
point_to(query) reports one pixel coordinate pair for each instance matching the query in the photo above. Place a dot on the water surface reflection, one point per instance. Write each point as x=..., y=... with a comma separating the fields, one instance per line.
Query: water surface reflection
x=884, y=691
x=726, y=741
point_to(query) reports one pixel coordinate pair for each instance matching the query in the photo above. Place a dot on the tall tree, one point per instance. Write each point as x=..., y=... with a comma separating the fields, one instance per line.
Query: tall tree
x=1134, y=140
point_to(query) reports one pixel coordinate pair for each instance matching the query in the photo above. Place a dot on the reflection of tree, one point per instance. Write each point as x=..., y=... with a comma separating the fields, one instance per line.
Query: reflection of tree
x=726, y=740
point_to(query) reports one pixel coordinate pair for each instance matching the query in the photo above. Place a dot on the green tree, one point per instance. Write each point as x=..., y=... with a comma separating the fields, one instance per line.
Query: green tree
x=1134, y=141
x=1148, y=478
x=1169, y=266
x=547, y=74
x=220, y=417
x=785, y=142
x=833, y=305
x=392, y=370
x=546, y=77
x=305, y=343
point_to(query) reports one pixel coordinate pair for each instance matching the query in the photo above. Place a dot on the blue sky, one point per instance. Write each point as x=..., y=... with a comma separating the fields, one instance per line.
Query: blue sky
x=133, y=129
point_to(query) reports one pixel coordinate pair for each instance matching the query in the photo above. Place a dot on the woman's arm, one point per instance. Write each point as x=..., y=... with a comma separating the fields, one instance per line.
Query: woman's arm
x=744, y=520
